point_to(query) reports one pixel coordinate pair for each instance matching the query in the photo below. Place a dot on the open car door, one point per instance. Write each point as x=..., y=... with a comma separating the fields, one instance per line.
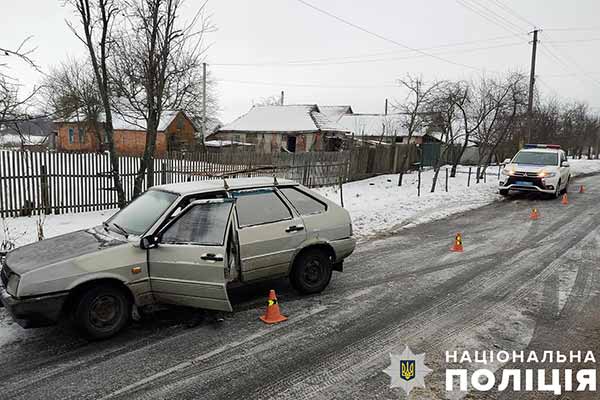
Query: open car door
x=187, y=262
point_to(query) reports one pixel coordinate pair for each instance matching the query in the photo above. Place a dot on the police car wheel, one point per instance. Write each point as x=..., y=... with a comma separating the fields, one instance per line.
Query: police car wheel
x=558, y=191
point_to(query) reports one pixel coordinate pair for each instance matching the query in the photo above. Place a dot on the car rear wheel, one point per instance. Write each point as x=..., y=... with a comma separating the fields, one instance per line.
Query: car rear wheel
x=312, y=272
x=102, y=311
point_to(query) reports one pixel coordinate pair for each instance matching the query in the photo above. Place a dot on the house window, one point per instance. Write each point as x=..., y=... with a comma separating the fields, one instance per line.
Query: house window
x=71, y=135
x=81, y=134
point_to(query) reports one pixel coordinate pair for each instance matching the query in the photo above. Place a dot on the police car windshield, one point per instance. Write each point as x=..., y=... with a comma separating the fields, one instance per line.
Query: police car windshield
x=536, y=158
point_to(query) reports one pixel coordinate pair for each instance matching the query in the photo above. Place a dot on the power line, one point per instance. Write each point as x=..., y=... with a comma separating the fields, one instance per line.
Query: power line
x=495, y=21
x=377, y=35
x=495, y=15
x=311, y=85
x=512, y=12
x=360, y=61
x=359, y=56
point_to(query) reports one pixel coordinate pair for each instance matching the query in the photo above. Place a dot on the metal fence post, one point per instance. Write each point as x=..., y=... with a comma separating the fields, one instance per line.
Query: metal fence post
x=469, y=179
x=45, y=192
x=446, y=180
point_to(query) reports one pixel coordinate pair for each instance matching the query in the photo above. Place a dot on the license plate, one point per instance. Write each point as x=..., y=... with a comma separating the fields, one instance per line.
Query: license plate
x=524, y=183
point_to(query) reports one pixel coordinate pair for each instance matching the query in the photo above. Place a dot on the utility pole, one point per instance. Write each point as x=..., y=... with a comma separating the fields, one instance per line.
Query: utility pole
x=386, y=106
x=282, y=94
x=203, y=102
x=531, y=86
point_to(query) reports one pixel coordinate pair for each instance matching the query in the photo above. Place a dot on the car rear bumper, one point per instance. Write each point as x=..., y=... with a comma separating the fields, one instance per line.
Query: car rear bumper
x=343, y=248
x=34, y=312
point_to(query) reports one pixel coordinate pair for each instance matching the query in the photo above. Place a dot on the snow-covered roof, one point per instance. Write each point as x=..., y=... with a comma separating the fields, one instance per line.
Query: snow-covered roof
x=126, y=122
x=17, y=140
x=302, y=118
x=225, y=143
x=374, y=124
x=334, y=113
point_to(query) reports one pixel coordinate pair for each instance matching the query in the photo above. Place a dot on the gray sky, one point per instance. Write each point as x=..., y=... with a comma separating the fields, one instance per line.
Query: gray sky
x=257, y=43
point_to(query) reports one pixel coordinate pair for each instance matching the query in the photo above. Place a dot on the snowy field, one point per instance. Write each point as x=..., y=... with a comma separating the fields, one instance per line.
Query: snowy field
x=377, y=205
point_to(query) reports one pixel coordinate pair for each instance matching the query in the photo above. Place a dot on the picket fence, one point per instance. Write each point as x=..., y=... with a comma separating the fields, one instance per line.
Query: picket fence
x=56, y=183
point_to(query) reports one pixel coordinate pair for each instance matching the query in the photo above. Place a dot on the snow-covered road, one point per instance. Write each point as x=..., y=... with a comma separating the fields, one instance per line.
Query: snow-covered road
x=519, y=285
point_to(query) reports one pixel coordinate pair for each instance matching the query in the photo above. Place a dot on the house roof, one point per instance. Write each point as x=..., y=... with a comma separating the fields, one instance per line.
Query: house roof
x=334, y=113
x=375, y=124
x=13, y=140
x=125, y=122
x=299, y=118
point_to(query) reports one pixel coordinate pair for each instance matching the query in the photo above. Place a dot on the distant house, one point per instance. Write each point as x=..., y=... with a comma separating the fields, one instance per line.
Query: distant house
x=291, y=128
x=31, y=134
x=382, y=129
x=176, y=132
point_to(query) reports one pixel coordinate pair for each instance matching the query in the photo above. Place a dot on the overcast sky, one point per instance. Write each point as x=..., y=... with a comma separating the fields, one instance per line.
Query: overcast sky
x=257, y=43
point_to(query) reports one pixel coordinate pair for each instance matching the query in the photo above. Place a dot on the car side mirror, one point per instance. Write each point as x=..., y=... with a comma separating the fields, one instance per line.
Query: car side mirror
x=148, y=242
x=507, y=161
x=564, y=164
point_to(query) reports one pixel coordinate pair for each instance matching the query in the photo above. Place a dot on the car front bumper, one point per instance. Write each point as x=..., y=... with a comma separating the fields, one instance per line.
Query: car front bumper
x=34, y=312
x=528, y=184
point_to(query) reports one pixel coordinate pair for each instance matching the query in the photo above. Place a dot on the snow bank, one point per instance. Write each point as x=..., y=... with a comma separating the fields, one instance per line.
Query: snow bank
x=379, y=205
x=582, y=167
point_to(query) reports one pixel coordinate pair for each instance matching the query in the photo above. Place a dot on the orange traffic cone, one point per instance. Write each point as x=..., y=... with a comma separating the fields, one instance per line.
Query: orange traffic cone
x=534, y=214
x=581, y=189
x=565, y=199
x=458, y=244
x=273, y=315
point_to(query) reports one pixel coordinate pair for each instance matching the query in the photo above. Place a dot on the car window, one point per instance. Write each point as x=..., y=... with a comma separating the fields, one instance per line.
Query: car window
x=144, y=211
x=199, y=196
x=536, y=158
x=259, y=206
x=202, y=224
x=302, y=202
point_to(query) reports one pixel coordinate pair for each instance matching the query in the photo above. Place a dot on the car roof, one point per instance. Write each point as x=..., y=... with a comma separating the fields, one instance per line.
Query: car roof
x=540, y=150
x=218, y=184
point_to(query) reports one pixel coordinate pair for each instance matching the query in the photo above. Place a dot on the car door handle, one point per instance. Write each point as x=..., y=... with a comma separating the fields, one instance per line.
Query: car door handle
x=295, y=228
x=212, y=257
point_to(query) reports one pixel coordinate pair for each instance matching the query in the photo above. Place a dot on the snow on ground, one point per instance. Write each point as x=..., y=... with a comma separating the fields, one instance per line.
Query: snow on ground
x=376, y=205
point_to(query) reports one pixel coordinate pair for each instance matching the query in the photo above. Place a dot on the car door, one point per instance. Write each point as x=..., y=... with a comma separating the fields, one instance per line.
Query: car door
x=269, y=233
x=187, y=266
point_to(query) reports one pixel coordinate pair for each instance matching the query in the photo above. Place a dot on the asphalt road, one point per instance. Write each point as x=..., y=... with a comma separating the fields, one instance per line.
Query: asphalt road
x=519, y=285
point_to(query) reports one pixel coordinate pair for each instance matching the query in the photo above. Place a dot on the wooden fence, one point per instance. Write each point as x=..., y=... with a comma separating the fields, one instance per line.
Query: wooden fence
x=57, y=183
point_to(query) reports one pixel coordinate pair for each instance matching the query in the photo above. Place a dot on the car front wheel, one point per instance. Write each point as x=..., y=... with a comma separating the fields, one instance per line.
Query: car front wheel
x=312, y=272
x=503, y=192
x=102, y=311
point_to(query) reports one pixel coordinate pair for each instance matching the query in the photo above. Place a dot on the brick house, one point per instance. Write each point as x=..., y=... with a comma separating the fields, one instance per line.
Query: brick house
x=292, y=128
x=176, y=132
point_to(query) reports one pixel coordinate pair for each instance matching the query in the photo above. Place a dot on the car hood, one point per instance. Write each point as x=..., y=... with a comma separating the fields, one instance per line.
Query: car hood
x=60, y=248
x=531, y=168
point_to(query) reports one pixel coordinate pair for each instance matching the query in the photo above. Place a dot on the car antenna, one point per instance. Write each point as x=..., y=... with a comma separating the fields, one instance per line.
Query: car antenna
x=275, y=180
x=225, y=184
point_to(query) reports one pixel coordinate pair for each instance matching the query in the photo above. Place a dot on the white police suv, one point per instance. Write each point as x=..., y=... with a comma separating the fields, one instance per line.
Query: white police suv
x=536, y=168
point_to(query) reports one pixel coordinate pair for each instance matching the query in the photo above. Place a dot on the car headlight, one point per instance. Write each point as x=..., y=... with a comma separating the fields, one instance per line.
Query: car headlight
x=545, y=174
x=13, y=284
x=508, y=172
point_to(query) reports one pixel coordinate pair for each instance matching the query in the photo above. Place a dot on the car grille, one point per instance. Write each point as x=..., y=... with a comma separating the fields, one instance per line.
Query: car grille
x=527, y=174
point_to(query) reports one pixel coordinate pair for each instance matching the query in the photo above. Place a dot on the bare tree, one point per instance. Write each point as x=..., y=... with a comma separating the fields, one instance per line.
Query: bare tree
x=506, y=99
x=159, y=67
x=413, y=109
x=70, y=91
x=273, y=100
x=97, y=18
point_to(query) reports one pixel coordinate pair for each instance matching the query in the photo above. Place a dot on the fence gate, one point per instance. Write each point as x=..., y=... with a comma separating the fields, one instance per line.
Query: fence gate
x=431, y=154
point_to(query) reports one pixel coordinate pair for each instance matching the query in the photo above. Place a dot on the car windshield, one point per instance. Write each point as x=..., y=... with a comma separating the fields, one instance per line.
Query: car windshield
x=536, y=158
x=143, y=212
